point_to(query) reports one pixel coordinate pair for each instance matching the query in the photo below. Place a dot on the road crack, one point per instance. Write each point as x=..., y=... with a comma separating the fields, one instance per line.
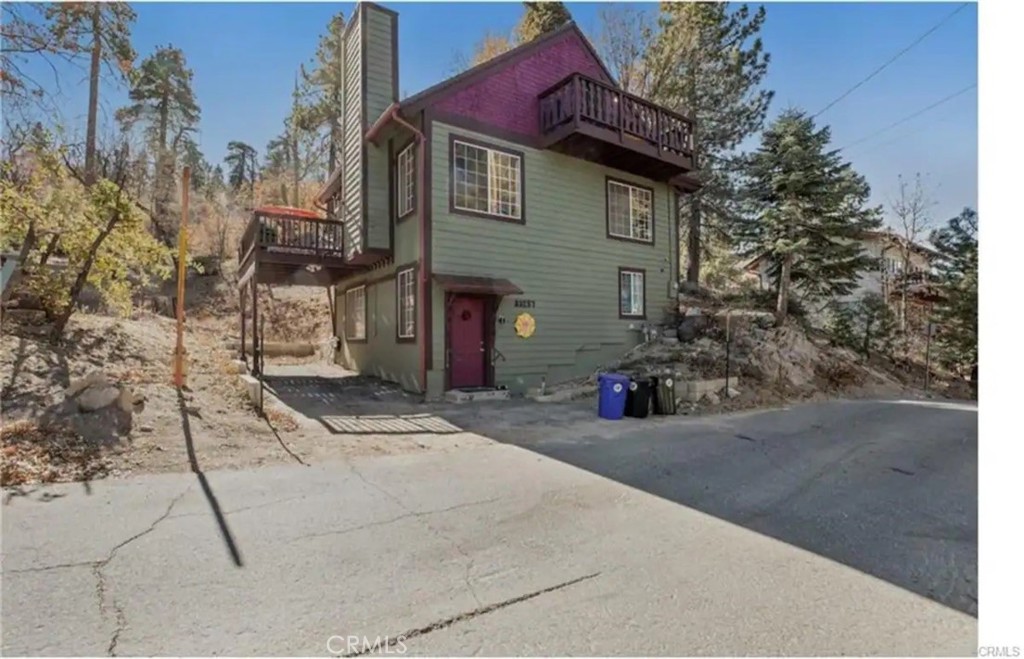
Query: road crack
x=480, y=611
x=468, y=566
x=120, y=620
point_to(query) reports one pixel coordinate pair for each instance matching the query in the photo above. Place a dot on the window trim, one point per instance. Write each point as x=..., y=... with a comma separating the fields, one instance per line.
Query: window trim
x=355, y=339
x=618, y=290
x=608, y=211
x=399, y=337
x=411, y=148
x=452, y=208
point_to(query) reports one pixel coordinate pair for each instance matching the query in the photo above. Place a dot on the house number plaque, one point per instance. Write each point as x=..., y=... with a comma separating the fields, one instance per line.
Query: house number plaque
x=525, y=304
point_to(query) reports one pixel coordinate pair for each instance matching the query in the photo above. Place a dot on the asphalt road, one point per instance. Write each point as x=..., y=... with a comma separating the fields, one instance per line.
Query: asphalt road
x=889, y=488
x=783, y=533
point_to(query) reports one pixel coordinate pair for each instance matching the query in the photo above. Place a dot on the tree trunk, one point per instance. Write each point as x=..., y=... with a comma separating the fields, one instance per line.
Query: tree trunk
x=295, y=170
x=94, y=98
x=782, y=304
x=26, y=248
x=693, y=243
x=904, y=285
x=51, y=247
x=61, y=321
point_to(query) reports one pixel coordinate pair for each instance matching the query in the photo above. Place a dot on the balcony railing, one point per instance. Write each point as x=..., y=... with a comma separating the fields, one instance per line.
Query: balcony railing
x=583, y=100
x=315, y=238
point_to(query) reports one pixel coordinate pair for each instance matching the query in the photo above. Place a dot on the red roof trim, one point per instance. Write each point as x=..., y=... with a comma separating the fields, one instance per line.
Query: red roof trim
x=288, y=211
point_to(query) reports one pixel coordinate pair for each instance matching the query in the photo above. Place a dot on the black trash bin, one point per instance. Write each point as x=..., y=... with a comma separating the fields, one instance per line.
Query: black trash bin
x=638, y=398
x=664, y=395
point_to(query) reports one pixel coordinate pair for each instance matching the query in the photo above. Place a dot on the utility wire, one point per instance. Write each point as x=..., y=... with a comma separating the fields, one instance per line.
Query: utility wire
x=893, y=58
x=912, y=116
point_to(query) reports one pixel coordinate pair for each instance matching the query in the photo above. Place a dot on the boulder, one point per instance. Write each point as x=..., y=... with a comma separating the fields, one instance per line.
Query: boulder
x=93, y=379
x=97, y=397
x=692, y=327
x=712, y=398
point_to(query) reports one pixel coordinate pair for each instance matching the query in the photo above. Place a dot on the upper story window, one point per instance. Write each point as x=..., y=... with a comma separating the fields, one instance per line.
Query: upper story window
x=630, y=212
x=406, y=290
x=632, y=293
x=486, y=181
x=405, y=177
x=355, y=314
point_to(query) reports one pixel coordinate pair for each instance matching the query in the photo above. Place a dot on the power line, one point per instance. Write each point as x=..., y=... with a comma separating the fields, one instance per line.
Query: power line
x=912, y=116
x=893, y=59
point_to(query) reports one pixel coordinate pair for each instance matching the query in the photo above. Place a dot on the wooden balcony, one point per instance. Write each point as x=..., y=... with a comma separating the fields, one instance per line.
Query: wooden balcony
x=589, y=119
x=292, y=246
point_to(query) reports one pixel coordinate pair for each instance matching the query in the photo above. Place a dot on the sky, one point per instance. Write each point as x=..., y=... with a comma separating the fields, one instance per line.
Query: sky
x=245, y=57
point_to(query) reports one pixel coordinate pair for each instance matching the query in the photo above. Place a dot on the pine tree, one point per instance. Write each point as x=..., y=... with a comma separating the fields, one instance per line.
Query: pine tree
x=805, y=211
x=957, y=315
x=540, y=18
x=162, y=96
x=321, y=92
x=704, y=60
x=241, y=160
x=103, y=30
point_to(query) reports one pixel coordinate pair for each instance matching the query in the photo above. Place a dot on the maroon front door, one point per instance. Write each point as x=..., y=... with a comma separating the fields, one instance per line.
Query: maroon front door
x=467, y=348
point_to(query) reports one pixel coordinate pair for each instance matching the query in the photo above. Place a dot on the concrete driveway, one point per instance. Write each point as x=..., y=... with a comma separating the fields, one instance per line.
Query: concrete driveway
x=759, y=534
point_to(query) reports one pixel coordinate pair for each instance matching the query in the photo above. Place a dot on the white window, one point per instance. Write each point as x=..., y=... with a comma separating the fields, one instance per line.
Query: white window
x=631, y=293
x=487, y=181
x=406, y=290
x=405, y=178
x=355, y=314
x=630, y=211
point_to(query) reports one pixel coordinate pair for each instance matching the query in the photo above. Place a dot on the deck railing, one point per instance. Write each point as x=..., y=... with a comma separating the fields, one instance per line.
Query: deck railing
x=293, y=235
x=579, y=98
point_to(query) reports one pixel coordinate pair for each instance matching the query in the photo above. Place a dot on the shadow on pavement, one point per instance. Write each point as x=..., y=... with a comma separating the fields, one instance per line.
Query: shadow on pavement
x=222, y=522
x=890, y=490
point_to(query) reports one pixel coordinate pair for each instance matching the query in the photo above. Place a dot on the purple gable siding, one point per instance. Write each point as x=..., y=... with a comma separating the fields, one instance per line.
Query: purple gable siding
x=507, y=99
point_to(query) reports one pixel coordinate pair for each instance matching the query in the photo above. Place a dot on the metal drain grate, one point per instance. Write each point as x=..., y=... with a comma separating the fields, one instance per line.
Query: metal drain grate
x=410, y=424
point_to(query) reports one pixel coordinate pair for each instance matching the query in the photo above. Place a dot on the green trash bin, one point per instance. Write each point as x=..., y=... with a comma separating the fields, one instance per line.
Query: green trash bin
x=664, y=395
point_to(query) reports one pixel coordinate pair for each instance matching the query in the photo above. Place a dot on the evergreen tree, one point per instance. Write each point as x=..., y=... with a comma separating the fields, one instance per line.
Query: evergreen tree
x=162, y=96
x=103, y=30
x=241, y=160
x=194, y=159
x=321, y=97
x=704, y=60
x=540, y=18
x=957, y=315
x=805, y=211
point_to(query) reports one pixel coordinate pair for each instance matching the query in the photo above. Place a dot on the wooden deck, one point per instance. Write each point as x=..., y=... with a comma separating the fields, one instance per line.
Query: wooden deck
x=586, y=118
x=293, y=249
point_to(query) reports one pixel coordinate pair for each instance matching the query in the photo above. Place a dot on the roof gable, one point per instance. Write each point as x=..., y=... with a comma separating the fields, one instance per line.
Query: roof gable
x=571, y=51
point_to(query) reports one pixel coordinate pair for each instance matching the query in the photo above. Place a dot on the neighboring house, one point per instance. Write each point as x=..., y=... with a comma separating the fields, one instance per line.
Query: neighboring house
x=886, y=248
x=512, y=225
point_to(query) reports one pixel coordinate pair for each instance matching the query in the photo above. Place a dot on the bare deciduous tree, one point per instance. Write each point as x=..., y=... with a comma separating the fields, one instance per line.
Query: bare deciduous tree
x=911, y=208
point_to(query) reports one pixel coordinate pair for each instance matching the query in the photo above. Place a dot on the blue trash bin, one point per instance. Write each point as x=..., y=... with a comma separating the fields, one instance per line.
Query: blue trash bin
x=611, y=399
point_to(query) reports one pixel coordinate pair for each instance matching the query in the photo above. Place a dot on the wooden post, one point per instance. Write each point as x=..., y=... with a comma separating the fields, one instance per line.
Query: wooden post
x=241, y=308
x=255, y=326
x=179, y=349
x=928, y=350
x=728, y=316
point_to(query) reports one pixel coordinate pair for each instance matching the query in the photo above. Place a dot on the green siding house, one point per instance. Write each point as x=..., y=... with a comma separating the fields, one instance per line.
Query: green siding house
x=510, y=226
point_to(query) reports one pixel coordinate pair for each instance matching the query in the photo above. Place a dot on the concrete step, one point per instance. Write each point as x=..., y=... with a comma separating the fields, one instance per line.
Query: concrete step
x=475, y=395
